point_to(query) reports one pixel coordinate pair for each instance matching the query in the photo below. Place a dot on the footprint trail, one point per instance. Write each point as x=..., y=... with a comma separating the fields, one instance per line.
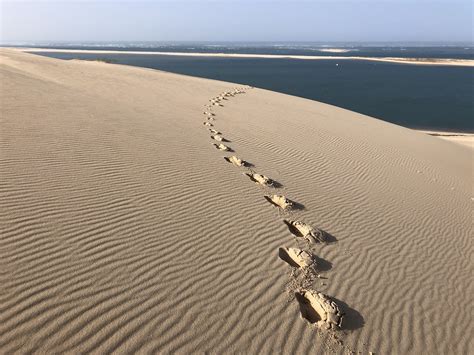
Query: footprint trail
x=315, y=307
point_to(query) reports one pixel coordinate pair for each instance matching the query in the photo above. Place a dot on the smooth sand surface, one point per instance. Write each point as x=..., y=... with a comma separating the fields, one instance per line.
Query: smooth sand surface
x=417, y=61
x=465, y=139
x=124, y=229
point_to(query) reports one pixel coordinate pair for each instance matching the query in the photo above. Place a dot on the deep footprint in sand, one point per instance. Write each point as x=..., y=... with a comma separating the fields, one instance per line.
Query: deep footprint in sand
x=208, y=124
x=213, y=131
x=236, y=161
x=319, y=309
x=304, y=230
x=297, y=257
x=219, y=138
x=260, y=179
x=280, y=201
x=222, y=147
x=215, y=102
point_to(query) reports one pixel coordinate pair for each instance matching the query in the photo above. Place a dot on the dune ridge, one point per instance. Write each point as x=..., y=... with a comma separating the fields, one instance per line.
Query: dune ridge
x=124, y=230
x=466, y=139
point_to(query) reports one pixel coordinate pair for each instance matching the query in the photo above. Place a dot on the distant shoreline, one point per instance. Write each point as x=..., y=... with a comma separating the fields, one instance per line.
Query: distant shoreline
x=415, y=61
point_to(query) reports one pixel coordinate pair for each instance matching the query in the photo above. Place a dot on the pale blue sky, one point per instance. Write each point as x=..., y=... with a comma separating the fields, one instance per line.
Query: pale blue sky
x=237, y=20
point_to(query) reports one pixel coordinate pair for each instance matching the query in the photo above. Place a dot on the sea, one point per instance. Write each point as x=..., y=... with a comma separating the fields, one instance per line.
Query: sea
x=427, y=97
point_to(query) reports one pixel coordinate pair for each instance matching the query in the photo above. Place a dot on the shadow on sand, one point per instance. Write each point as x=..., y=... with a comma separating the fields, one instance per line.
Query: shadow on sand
x=323, y=237
x=352, y=319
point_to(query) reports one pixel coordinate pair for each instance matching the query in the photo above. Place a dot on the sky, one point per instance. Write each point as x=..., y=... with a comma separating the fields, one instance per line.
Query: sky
x=237, y=20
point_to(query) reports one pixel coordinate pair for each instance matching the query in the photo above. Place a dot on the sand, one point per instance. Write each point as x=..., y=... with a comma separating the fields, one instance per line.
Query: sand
x=399, y=60
x=465, y=139
x=124, y=229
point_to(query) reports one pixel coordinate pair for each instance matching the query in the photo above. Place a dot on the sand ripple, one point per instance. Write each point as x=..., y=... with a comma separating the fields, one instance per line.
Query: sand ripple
x=124, y=230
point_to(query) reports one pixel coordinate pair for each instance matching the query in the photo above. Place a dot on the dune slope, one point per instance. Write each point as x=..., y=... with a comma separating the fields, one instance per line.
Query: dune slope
x=124, y=229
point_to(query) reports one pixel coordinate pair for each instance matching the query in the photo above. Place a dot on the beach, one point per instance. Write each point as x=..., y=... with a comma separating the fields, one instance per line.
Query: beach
x=125, y=229
x=414, y=61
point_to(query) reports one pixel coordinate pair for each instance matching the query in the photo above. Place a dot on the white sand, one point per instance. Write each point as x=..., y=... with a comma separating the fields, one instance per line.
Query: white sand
x=124, y=230
x=465, y=139
x=418, y=61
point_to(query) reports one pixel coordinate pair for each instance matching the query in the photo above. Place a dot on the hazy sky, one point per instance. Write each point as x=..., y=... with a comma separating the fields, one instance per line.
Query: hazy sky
x=237, y=20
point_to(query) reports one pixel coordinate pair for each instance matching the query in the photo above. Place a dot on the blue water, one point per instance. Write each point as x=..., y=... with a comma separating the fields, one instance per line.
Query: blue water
x=428, y=97
x=459, y=51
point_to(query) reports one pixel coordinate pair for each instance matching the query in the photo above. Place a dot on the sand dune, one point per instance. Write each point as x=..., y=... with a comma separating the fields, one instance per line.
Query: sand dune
x=466, y=139
x=124, y=230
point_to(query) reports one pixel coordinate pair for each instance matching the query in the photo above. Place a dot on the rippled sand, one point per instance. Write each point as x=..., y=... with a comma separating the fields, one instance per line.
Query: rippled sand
x=124, y=229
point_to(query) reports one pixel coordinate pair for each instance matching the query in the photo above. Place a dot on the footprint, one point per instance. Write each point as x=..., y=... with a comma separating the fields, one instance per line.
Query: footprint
x=209, y=124
x=280, y=201
x=223, y=147
x=260, y=179
x=215, y=102
x=218, y=138
x=207, y=113
x=236, y=161
x=213, y=131
x=297, y=257
x=319, y=309
x=301, y=229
